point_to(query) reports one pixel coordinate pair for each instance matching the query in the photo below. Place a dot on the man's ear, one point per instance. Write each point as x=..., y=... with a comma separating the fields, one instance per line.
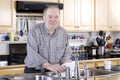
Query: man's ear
x=43, y=18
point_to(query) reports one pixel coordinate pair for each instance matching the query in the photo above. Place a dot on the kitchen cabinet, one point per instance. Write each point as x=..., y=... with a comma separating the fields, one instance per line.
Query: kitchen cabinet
x=102, y=78
x=5, y=13
x=118, y=62
x=107, y=15
x=12, y=70
x=101, y=63
x=78, y=15
x=89, y=64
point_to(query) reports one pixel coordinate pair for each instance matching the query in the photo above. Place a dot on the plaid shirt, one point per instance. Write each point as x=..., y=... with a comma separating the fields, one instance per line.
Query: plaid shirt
x=43, y=47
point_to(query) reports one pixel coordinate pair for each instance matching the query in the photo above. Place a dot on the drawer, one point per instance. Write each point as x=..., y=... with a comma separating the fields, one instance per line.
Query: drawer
x=89, y=64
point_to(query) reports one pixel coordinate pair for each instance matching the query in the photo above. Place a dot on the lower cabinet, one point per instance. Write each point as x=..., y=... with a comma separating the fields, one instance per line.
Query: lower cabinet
x=89, y=64
x=102, y=78
x=101, y=63
x=12, y=71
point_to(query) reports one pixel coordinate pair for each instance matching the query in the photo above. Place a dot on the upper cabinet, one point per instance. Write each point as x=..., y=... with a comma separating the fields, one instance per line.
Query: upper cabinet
x=108, y=15
x=78, y=15
x=5, y=13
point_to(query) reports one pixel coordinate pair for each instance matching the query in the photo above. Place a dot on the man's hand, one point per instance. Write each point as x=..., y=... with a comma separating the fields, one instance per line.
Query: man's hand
x=54, y=67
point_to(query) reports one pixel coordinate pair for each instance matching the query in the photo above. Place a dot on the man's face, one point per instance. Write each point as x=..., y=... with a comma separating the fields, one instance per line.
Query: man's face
x=51, y=18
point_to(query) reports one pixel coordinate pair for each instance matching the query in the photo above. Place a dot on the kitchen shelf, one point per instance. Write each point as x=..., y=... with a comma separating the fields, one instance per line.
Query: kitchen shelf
x=29, y=14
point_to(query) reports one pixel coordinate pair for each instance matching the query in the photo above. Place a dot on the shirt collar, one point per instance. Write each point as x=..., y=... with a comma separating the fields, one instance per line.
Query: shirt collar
x=47, y=32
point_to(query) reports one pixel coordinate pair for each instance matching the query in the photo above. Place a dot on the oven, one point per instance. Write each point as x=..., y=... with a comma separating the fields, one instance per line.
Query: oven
x=17, y=53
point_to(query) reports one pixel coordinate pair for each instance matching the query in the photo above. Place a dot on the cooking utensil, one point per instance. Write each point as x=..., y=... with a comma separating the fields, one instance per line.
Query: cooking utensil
x=21, y=25
x=98, y=40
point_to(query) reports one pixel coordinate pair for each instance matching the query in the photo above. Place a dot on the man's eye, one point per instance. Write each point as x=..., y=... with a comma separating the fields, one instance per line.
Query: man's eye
x=56, y=16
x=50, y=16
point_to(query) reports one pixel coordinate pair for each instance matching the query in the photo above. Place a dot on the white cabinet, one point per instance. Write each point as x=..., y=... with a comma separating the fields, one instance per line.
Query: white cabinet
x=5, y=13
x=107, y=15
x=78, y=15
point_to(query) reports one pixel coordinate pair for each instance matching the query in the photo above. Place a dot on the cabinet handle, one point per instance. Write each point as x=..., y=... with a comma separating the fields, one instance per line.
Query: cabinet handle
x=110, y=26
x=76, y=27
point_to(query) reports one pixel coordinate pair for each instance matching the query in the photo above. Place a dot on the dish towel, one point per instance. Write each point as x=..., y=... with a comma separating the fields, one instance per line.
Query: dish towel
x=71, y=65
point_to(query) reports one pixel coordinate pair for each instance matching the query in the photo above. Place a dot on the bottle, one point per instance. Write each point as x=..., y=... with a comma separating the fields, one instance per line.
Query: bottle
x=93, y=51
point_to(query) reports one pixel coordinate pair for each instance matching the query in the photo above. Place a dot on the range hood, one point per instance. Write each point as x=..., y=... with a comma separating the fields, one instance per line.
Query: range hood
x=34, y=7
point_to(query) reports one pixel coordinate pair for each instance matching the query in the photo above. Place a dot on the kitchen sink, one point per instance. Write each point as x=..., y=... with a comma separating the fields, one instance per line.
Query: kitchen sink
x=113, y=68
x=4, y=78
x=33, y=77
x=93, y=72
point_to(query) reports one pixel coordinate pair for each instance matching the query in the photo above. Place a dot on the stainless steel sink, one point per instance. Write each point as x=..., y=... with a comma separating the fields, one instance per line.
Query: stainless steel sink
x=34, y=77
x=94, y=72
x=52, y=76
x=4, y=78
x=113, y=68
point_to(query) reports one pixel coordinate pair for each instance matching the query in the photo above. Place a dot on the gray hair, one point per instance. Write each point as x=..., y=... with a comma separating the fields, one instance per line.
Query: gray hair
x=52, y=6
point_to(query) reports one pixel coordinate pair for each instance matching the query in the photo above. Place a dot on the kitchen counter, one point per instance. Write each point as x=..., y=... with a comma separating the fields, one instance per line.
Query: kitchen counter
x=18, y=69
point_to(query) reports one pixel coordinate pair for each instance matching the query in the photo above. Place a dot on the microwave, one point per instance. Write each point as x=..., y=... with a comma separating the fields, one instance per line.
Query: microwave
x=17, y=53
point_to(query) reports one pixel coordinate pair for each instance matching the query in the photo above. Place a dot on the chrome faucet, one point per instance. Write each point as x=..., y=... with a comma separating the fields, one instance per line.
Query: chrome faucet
x=85, y=69
x=76, y=68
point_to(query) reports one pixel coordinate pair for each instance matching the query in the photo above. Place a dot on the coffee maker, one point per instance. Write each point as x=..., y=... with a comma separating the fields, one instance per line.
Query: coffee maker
x=101, y=44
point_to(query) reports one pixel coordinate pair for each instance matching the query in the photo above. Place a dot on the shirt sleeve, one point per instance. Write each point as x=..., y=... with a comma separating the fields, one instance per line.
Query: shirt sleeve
x=67, y=51
x=33, y=58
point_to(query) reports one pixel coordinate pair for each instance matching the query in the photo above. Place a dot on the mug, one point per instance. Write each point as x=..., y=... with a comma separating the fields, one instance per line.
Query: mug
x=107, y=65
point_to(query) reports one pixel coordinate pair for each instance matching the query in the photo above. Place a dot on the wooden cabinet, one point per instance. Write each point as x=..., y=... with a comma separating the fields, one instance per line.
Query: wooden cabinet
x=12, y=70
x=114, y=62
x=89, y=64
x=102, y=78
x=101, y=63
x=5, y=13
x=118, y=62
x=78, y=15
x=107, y=15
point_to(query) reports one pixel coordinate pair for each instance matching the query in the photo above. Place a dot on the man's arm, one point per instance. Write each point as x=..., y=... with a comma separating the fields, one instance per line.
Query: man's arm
x=33, y=58
x=67, y=52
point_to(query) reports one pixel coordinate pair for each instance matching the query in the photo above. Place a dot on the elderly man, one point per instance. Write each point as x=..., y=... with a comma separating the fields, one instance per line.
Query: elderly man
x=47, y=44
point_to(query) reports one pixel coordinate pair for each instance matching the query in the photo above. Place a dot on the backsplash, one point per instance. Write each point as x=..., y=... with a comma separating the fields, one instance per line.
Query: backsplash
x=86, y=37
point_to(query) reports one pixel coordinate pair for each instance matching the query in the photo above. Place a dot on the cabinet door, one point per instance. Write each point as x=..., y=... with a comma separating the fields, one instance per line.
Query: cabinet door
x=78, y=15
x=114, y=62
x=114, y=14
x=84, y=15
x=107, y=15
x=99, y=63
x=5, y=13
x=89, y=64
x=103, y=78
x=101, y=15
x=68, y=15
